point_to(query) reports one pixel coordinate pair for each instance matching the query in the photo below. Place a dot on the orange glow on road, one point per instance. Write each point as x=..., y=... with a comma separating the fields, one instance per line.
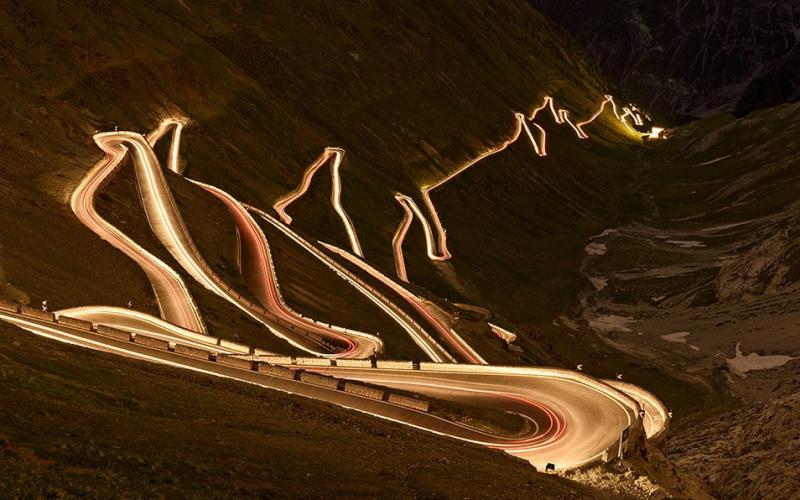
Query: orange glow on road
x=436, y=247
x=173, y=297
x=334, y=156
x=459, y=346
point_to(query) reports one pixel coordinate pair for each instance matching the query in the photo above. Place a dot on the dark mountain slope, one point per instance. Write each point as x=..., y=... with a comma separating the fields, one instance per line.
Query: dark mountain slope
x=678, y=58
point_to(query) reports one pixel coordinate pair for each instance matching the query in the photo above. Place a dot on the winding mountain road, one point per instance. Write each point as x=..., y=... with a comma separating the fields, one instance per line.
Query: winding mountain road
x=572, y=419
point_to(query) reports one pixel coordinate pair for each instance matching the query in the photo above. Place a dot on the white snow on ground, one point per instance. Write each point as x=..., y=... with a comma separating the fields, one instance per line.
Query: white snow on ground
x=596, y=249
x=599, y=282
x=680, y=338
x=687, y=243
x=611, y=323
x=676, y=337
x=741, y=364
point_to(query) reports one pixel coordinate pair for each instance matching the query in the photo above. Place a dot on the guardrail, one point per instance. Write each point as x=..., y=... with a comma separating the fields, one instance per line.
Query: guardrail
x=235, y=359
x=658, y=434
x=32, y=312
x=276, y=366
x=74, y=323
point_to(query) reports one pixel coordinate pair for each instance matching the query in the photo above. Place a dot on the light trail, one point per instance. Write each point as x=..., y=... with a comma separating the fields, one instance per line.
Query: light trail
x=173, y=297
x=399, y=237
x=580, y=433
x=656, y=133
x=334, y=156
x=168, y=226
x=444, y=253
x=607, y=100
x=574, y=419
x=138, y=322
x=416, y=332
x=263, y=282
x=456, y=343
x=436, y=247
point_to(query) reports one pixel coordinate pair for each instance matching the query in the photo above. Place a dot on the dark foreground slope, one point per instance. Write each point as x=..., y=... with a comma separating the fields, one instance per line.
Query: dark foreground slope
x=86, y=424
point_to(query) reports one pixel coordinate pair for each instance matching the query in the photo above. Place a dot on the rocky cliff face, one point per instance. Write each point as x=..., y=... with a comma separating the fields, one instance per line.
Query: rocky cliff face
x=691, y=57
x=751, y=453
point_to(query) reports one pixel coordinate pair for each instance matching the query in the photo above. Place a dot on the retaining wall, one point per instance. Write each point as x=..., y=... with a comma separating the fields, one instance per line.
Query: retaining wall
x=354, y=363
x=74, y=322
x=277, y=360
x=8, y=306
x=396, y=365
x=192, y=352
x=262, y=352
x=275, y=371
x=417, y=404
x=312, y=361
x=363, y=390
x=322, y=381
x=151, y=342
x=234, y=346
x=110, y=331
x=33, y=312
x=245, y=364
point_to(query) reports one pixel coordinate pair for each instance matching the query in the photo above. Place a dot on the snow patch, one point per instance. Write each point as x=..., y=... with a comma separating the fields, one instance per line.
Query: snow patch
x=679, y=337
x=741, y=364
x=599, y=282
x=596, y=249
x=611, y=323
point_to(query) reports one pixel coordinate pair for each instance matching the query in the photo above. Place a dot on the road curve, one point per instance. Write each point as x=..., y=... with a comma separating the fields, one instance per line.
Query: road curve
x=459, y=349
x=333, y=156
x=259, y=272
x=590, y=414
x=173, y=297
x=573, y=419
x=168, y=226
x=416, y=332
x=437, y=247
